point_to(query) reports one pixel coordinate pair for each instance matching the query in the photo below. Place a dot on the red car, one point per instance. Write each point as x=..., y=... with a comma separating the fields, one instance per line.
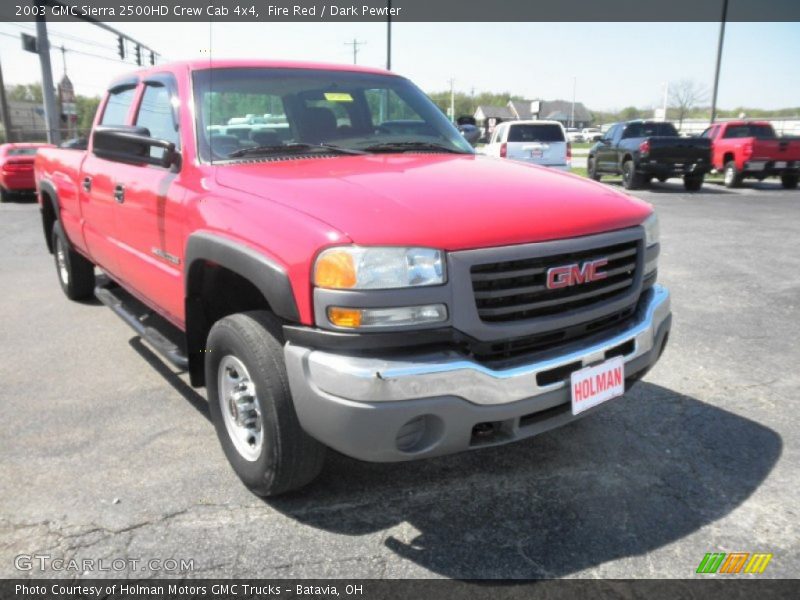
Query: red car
x=16, y=168
x=337, y=281
x=743, y=149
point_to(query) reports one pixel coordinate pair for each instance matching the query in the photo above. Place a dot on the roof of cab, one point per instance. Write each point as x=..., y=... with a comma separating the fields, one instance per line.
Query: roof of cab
x=203, y=64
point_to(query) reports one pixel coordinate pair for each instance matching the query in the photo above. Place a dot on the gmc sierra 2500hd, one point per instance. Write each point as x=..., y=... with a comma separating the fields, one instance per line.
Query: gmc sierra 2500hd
x=335, y=282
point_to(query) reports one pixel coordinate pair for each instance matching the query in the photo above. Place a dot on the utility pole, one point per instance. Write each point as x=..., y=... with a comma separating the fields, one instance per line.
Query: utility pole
x=355, y=44
x=666, y=95
x=572, y=115
x=389, y=36
x=43, y=44
x=4, y=109
x=452, y=101
x=719, y=60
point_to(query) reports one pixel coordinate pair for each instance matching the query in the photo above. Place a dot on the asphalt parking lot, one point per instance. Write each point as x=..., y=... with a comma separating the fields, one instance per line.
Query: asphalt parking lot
x=106, y=452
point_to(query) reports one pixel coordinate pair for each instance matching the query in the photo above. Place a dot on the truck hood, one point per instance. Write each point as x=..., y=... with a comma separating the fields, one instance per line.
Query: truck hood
x=452, y=202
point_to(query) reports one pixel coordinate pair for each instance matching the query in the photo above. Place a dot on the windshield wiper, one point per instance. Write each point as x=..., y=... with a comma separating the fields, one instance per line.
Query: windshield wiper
x=296, y=147
x=410, y=147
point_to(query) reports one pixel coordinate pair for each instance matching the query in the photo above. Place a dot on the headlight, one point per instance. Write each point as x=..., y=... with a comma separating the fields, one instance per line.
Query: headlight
x=377, y=268
x=651, y=233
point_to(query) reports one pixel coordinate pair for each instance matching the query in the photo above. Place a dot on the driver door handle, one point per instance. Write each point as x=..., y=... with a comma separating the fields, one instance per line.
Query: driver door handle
x=87, y=184
x=119, y=193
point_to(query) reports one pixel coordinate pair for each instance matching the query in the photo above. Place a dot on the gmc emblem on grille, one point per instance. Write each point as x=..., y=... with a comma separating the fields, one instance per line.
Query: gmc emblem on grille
x=569, y=275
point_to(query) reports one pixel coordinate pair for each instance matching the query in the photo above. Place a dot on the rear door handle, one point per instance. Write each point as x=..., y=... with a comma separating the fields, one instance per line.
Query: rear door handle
x=87, y=184
x=119, y=193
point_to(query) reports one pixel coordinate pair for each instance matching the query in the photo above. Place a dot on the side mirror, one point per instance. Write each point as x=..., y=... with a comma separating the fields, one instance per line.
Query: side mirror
x=131, y=144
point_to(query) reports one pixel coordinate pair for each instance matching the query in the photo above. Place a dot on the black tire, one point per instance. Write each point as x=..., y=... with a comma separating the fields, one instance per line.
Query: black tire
x=75, y=273
x=591, y=168
x=630, y=178
x=789, y=181
x=693, y=183
x=733, y=178
x=5, y=195
x=288, y=458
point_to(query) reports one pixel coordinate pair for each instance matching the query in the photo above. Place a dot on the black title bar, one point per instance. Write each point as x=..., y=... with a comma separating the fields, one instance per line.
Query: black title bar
x=401, y=10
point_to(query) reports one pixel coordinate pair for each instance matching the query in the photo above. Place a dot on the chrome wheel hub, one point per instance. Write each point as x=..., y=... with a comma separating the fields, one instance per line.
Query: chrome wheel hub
x=240, y=407
x=728, y=175
x=61, y=262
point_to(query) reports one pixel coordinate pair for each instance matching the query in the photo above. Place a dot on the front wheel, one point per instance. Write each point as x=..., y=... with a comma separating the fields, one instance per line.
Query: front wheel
x=75, y=273
x=693, y=183
x=591, y=169
x=789, y=181
x=251, y=406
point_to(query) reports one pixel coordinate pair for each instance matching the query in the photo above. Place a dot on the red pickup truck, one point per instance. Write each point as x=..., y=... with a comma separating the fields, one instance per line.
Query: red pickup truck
x=752, y=149
x=336, y=281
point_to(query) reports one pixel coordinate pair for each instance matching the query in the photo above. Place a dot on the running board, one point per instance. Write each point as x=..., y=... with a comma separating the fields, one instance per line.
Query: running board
x=135, y=315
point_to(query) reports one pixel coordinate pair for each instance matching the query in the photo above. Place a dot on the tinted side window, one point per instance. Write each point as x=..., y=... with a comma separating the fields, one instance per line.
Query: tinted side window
x=117, y=107
x=632, y=131
x=155, y=113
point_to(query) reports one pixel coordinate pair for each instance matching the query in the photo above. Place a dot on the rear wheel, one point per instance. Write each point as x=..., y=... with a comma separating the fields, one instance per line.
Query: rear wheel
x=630, y=178
x=591, y=169
x=75, y=273
x=252, y=407
x=692, y=183
x=789, y=181
x=731, y=175
x=4, y=194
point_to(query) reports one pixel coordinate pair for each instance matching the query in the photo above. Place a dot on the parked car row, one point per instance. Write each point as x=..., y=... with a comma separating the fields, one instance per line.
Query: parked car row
x=645, y=150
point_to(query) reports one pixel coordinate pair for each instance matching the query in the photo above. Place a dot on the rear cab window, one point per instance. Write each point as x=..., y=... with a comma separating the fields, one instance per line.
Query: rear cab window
x=21, y=151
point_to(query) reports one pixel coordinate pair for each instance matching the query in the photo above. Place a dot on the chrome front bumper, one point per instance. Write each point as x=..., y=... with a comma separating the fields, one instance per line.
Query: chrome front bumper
x=359, y=405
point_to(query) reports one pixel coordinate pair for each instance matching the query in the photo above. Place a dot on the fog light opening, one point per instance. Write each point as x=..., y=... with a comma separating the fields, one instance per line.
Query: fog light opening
x=419, y=434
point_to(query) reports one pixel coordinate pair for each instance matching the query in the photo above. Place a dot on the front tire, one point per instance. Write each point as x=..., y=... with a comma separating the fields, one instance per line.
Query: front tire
x=630, y=178
x=731, y=175
x=591, y=169
x=789, y=182
x=75, y=273
x=693, y=183
x=252, y=408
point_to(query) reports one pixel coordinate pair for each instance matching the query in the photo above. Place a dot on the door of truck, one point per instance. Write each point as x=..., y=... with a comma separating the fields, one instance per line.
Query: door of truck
x=149, y=202
x=96, y=185
x=607, y=150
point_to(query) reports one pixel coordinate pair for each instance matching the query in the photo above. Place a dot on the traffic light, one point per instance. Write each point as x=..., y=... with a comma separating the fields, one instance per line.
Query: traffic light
x=121, y=47
x=152, y=57
x=138, y=55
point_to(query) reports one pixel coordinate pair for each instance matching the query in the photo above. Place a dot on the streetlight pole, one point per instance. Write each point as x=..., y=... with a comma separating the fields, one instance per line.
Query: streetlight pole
x=719, y=60
x=452, y=101
x=572, y=116
x=389, y=36
x=4, y=109
x=43, y=46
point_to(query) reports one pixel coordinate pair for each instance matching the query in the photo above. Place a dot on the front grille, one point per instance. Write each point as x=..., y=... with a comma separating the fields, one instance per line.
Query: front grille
x=516, y=290
x=494, y=352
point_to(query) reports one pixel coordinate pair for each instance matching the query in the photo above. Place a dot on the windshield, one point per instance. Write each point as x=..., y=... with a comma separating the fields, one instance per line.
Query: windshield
x=280, y=112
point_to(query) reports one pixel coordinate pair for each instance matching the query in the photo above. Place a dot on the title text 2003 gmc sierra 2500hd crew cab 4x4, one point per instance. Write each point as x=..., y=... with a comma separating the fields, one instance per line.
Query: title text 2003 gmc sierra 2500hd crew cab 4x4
x=335, y=281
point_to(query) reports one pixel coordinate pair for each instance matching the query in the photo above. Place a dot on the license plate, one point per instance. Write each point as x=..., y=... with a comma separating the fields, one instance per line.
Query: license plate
x=597, y=384
x=780, y=164
x=537, y=153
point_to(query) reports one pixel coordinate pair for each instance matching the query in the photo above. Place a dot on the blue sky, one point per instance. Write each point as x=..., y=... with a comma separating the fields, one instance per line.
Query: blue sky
x=614, y=64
